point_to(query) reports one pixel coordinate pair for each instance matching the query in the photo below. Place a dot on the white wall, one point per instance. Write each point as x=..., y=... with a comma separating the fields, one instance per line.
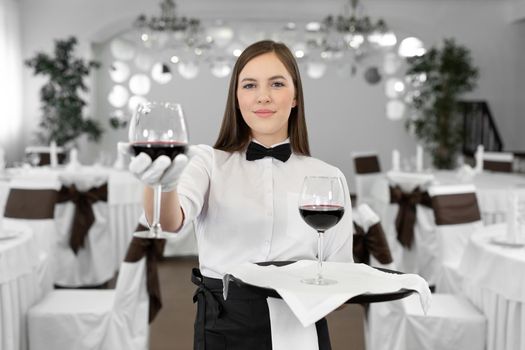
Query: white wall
x=518, y=35
x=343, y=115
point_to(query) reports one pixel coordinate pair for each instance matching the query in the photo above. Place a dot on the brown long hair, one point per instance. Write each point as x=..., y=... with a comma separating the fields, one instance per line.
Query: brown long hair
x=235, y=133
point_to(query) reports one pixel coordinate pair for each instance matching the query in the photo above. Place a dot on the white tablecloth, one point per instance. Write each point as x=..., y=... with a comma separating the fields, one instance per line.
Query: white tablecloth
x=494, y=280
x=20, y=285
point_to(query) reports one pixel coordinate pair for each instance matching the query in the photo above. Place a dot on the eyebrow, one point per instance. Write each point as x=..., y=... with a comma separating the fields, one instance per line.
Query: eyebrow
x=275, y=77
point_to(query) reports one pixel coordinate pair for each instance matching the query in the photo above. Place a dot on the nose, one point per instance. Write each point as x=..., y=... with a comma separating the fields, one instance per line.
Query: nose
x=264, y=97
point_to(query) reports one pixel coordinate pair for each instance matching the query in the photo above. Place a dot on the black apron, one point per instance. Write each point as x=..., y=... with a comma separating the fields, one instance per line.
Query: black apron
x=241, y=322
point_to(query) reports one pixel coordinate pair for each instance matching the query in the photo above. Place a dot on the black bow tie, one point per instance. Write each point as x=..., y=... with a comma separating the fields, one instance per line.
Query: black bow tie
x=256, y=151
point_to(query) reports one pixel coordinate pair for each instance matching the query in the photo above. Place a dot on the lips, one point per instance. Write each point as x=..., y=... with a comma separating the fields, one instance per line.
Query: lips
x=264, y=112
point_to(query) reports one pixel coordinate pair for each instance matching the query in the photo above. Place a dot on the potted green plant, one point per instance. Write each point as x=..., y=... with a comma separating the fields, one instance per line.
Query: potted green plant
x=444, y=74
x=62, y=105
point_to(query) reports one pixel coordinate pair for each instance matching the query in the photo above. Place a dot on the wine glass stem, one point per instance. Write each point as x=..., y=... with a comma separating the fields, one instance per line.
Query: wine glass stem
x=157, y=192
x=320, y=256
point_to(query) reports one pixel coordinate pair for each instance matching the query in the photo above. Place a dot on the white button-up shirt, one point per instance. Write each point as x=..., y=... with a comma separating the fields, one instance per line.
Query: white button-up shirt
x=247, y=211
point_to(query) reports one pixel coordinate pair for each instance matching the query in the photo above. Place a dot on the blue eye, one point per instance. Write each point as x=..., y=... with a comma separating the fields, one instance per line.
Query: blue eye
x=278, y=84
x=248, y=86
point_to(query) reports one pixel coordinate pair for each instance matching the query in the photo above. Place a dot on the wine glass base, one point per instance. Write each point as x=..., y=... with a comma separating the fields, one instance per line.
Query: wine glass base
x=319, y=281
x=150, y=235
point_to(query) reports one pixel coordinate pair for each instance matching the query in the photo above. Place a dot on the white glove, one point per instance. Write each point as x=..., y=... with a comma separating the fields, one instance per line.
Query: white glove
x=162, y=171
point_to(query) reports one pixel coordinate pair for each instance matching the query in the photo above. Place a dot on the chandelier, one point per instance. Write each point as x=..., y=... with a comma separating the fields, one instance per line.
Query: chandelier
x=167, y=29
x=163, y=45
x=356, y=32
x=168, y=20
x=350, y=36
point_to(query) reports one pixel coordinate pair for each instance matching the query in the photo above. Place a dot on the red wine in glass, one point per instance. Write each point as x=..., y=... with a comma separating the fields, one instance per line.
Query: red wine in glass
x=157, y=128
x=321, y=205
x=322, y=217
x=160, y=148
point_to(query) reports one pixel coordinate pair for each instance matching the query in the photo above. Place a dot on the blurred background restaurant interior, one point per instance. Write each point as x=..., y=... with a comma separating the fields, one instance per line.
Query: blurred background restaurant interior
x=341, y=105
x=360, y=94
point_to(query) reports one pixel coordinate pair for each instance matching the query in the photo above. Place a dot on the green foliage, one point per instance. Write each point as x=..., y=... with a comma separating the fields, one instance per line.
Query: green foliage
x=62, y=106
x=449, y=73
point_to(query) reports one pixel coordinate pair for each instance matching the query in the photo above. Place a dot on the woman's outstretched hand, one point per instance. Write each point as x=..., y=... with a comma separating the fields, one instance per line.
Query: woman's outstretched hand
x=161, y=171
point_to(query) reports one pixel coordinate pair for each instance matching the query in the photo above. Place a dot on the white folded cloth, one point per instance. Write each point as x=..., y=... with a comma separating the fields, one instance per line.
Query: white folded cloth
x=73, y=163
x=478, y=157
x=513, y=226
x=465, y=173
x=53, y=154
x=310, y=303
x=419, y=158
x=396, y=160
x=409, y=181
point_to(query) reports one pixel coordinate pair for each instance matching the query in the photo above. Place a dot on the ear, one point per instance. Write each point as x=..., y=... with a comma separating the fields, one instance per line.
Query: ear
x=294, y=103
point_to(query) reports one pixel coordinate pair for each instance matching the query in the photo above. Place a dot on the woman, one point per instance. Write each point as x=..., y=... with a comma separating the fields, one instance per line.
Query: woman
x=244, y=202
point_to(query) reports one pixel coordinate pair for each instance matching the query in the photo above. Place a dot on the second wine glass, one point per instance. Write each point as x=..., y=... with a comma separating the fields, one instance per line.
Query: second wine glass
x=321, y=205
x=158, y=128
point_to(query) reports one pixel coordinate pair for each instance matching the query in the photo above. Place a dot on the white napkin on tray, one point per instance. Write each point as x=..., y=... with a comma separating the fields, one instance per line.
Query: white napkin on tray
x=310, y=303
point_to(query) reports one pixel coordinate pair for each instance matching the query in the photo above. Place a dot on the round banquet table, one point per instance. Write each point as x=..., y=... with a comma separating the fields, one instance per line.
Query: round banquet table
x=494, y=280
x=21, y=285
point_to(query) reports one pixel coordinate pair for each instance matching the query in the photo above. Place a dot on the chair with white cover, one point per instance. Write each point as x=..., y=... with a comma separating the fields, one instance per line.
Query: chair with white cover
x=408, y=223
x=367, y=169
x=498, y=161
x=21, y=208
x=84, y=252
x=102, y=319
x=457, y=217
x=452, y=322
x=370, y=245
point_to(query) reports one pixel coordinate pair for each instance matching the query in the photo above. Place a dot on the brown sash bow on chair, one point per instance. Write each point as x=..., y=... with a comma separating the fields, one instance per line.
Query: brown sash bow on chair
x=454, y=209
x=406, y=216
x=152, y=249
x=372, y=242
x=84, y=216
x=35, y=204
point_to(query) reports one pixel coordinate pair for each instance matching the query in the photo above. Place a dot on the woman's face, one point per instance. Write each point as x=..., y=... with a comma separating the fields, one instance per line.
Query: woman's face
x=266, y=95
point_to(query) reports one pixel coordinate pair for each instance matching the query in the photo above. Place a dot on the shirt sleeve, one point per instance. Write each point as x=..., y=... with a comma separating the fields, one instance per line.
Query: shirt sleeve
x=339, y=239
x=194, y=182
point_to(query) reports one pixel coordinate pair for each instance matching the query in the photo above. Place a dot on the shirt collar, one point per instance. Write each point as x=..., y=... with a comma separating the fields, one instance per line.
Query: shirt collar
x=274, y=145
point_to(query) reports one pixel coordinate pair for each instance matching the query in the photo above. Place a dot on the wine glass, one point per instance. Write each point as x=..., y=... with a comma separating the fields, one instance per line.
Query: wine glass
x=158, y=128
x=321, y=205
